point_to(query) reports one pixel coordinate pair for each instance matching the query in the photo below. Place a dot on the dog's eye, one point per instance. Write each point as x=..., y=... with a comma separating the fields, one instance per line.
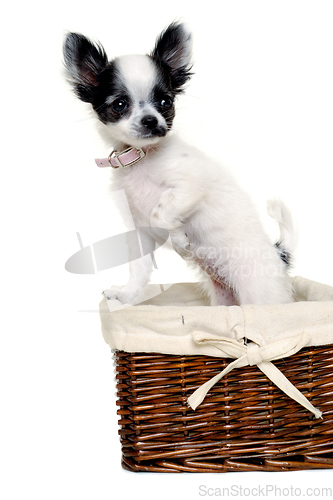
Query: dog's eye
x=166, y=103
x=119, y=105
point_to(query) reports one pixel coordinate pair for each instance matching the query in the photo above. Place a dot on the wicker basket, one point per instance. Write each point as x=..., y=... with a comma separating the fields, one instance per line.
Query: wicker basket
x=171, y=349
x=244, y=424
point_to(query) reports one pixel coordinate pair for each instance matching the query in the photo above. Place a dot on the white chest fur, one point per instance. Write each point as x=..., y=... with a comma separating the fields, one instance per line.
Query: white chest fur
x=143, y=189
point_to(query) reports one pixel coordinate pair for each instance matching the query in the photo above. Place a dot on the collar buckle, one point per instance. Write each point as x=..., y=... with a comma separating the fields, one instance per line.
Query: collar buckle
x=125, y=158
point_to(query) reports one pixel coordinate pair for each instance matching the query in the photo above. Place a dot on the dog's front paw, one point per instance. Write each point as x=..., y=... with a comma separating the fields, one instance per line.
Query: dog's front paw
x=163, y=215
x=112, y=293
x=159, y=217
x=125, y=295
x=181, y=244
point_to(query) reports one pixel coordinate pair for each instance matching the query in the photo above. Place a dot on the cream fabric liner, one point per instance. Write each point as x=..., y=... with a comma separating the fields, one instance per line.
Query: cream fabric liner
x=179, y=321
x=166, y=322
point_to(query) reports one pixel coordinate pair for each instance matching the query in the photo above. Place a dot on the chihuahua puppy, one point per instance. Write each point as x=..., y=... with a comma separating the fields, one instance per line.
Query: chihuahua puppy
x=172, y=185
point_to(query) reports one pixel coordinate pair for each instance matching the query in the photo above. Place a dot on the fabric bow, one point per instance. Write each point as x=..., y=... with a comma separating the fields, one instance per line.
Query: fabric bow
x=253, y=354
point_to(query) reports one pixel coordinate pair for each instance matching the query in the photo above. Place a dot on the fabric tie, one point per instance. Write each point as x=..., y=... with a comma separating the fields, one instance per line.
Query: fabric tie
x=253, y=354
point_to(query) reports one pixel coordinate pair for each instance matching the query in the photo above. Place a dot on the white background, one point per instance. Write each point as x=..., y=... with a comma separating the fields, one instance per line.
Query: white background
x=261, y=100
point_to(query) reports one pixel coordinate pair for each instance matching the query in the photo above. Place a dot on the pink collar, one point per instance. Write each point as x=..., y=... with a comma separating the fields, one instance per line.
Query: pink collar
x=122, y=159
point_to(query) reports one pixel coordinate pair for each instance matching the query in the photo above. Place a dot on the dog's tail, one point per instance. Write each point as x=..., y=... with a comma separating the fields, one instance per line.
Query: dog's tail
x=286, y=244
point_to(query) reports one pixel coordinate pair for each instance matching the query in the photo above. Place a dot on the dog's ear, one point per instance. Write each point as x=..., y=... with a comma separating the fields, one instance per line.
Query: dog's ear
x=84, y=62
x=173, y=52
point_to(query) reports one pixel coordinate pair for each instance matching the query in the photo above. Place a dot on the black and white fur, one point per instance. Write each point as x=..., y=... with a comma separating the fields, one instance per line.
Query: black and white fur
x=212, y=222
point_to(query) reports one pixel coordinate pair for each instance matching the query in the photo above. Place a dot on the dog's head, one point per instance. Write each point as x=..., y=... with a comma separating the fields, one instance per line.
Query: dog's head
x=132, y=95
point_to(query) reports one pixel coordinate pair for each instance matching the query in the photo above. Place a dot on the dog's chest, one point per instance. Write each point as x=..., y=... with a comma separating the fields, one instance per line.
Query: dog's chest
x=143, y=190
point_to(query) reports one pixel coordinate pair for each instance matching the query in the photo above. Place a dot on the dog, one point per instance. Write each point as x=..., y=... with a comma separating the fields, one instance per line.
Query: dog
x=171, y=185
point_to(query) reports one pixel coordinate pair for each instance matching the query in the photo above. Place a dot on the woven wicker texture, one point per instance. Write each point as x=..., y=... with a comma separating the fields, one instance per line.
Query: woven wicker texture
x=245, y=423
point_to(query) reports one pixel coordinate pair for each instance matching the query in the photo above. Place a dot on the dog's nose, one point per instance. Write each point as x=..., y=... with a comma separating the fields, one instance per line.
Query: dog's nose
x=149, y=122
